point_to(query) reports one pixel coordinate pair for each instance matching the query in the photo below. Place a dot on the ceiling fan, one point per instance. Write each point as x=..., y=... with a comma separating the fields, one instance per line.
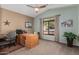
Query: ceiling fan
x=37, y=7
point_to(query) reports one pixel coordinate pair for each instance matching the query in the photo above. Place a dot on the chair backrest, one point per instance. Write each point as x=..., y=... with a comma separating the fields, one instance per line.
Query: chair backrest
x=19, y=31
x=11, y=35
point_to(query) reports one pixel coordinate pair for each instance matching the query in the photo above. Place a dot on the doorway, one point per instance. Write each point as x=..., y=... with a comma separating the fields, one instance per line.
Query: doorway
x=50, y=28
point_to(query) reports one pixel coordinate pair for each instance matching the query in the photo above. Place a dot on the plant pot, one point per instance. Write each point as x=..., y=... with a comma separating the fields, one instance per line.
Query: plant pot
x=69, y=42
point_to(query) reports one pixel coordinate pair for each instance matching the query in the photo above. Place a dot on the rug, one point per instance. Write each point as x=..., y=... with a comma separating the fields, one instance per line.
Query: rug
x=6, y=50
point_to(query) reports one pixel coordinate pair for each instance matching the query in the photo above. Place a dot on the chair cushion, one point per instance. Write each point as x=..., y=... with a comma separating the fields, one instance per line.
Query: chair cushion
x=4, y=43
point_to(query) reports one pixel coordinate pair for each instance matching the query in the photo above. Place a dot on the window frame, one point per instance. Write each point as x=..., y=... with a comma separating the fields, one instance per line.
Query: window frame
x=53, y=20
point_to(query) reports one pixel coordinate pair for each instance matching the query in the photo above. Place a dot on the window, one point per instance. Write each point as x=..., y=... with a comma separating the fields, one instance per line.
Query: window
x=49, y=27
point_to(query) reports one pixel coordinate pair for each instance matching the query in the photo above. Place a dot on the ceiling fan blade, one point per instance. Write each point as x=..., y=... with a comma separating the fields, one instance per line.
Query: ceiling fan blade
x=43, y=6
x=29, y=6
x=37, y=6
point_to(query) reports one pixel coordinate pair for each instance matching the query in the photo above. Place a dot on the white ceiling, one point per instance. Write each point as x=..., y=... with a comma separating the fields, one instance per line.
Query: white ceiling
x=23, y=9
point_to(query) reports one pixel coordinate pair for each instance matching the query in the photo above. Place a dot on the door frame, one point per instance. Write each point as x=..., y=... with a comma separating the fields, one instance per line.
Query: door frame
x=56, y=17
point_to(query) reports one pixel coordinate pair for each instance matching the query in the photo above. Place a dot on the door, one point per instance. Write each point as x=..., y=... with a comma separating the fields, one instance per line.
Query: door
x=49, y=28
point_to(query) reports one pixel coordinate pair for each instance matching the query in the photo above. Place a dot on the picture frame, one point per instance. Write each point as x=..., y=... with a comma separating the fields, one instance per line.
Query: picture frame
x=28, y=25
x=68, y=23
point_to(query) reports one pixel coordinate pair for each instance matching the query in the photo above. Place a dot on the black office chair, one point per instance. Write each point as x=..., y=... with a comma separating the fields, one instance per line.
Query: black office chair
x=11, y=38
x=19, y=31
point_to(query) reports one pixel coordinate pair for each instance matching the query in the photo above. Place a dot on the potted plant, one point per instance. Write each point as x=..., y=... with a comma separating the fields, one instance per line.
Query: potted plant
x=70, y=38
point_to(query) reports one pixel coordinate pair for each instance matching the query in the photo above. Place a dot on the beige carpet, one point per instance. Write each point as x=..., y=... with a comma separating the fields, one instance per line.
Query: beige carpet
x=47, y=48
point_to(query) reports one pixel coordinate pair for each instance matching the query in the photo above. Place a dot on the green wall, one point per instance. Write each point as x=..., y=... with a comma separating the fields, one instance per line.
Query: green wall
x=66, y=13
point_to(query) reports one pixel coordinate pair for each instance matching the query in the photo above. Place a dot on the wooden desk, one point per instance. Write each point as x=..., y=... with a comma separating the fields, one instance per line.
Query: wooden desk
x=20, y=40
x=30, y=40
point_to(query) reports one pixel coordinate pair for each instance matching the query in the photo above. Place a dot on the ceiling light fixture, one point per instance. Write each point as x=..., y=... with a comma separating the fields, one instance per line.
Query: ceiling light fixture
x=36, y=10
x=37, y=7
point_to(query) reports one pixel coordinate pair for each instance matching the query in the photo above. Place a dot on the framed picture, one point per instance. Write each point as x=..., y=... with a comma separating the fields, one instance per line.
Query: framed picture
x=68, y=23
x=28, y=25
